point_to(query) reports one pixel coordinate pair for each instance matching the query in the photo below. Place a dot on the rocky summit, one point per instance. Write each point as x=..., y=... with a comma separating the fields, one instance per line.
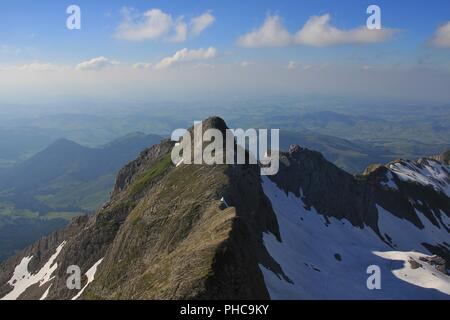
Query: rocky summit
x=312, y=231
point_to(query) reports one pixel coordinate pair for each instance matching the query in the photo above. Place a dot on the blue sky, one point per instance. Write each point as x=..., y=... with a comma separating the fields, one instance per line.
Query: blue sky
x=35, y=32
x=39, y=26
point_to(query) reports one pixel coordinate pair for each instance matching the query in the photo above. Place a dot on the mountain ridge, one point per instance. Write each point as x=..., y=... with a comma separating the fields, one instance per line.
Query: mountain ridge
x=225, y=232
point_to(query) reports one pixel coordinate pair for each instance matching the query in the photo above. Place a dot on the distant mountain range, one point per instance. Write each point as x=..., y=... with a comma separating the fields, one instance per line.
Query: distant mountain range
x=67, y=179
x=312, y=231
x=67, y=160
x=61, y=181
x=354, y=156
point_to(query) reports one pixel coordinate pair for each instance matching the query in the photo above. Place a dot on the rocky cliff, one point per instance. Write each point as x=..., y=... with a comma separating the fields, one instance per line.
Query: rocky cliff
x=225, y=232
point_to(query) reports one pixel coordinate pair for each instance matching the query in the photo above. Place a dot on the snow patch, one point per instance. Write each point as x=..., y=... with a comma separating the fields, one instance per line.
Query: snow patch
x=22, y=279
x=390, y=184
x=45, y=295
x=425, y=276
x=90, y=274
x=179, y=163
x=427, y=173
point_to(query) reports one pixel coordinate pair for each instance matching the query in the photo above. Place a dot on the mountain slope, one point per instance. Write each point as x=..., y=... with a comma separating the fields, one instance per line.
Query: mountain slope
x=326, y=254
x=162, y=219
x=223, y=231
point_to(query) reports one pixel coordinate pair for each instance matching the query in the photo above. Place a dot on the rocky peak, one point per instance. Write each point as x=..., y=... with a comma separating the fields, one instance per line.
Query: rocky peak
x=215, y=123
x=443, y=157
x=199, y=223
x=294, y=149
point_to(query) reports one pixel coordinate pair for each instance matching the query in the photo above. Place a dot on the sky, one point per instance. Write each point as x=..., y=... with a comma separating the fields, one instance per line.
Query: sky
x=143, y=50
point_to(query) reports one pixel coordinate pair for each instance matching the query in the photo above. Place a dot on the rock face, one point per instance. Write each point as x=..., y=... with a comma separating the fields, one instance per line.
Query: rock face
x=165, y=235
x=225, y=232
x=436, y=261
x=443, y=157
x=404, y=187
x=334, y=227
x=330, y=190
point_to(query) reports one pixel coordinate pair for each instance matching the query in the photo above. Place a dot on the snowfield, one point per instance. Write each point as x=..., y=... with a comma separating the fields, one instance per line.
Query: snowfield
x=428, y=173
x=22, y=279
x=425, y=276
x=330, y=261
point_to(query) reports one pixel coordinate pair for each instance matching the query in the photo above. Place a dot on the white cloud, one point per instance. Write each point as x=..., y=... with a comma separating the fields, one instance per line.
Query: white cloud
x=202, y=22
x=292, y=65
x=98, y=63
x=38, y=67
x=33, y=67
x=142, y=65
x=181, y=31
x=157, y=24
x=123, y=83
x=186, y=55
x=271, y=34
x=441, y=38
x=152, y=24
x=316, y=32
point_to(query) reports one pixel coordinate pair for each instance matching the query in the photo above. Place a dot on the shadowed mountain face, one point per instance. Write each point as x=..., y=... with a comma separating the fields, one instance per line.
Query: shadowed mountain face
x=225, y=232
x=66, y=159
x=66, y=179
